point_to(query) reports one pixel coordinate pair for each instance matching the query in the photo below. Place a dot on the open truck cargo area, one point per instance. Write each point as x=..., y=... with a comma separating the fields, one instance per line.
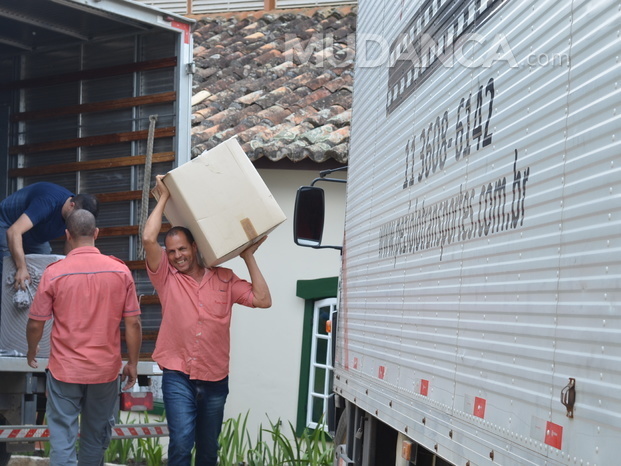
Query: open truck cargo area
x=83, y=84
x=480, y=301
x=94, y=96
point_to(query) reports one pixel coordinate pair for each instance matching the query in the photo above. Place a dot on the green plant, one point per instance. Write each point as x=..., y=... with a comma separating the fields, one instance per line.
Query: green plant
x=234, y=440
x=119, y=450
x=150, y=447
x=312, y=447
x=153, y=450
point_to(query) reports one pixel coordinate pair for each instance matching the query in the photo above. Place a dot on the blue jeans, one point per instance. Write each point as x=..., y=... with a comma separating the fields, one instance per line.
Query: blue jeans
x=194, y=413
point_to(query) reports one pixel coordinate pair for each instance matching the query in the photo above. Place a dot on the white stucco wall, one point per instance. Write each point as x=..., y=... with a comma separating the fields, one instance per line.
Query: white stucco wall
x=266, y=343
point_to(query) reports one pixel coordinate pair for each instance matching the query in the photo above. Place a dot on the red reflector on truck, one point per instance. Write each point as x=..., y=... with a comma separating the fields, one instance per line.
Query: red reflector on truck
x=136, y=401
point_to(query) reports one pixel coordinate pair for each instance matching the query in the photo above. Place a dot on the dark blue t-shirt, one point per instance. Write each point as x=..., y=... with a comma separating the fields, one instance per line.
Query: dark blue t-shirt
x=43, y=203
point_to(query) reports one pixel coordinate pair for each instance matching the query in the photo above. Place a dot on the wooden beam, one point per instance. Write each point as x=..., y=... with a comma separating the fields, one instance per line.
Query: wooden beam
x=159, y=157
x=128, y=68
x=125, y=230
x=147, y=299
x=120, y=196
x=89, y=141
x=135, y=265
x=108, y=105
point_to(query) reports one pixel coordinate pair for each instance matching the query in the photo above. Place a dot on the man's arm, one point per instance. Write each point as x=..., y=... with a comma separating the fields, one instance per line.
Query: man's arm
x=260, y=290
x=153, y=225
x=133, y=338
x=16, y=247
x=34, y=332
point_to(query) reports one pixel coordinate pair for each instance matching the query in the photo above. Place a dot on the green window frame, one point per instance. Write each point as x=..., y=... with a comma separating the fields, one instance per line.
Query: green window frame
x=315, y=350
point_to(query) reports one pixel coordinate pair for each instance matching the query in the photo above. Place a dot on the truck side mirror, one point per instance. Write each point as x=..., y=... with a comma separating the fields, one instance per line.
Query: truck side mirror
x=309, y=216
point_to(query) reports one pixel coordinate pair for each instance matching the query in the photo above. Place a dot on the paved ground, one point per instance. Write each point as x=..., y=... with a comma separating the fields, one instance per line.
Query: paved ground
x=35, y=461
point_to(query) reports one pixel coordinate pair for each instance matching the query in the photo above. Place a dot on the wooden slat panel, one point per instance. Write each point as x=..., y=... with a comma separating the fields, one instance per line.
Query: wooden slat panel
x=91, y=165
x=135, y=265
x=90, y=141
x=92, y=74
x=120, y=196
x=95, y=107
x=125, y=230
x=147, y=299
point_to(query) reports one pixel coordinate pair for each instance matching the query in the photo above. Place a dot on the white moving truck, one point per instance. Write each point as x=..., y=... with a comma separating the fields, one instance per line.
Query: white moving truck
x=480, y=296
x=91, y=92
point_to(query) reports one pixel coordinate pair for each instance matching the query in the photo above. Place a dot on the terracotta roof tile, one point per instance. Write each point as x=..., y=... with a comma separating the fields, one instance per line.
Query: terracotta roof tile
x=292, y=98
x=339, y=136
x=254, y=37
x=269, y=57
x=320, y=81
x=341, y=98
x=341, y=119
x=339, y=83
x=301, y=115
x=318, y=152
x=314, y=96
x=339, y=153
x=280, y=81
x=273, y=97
x=318, y=134
x=321, y=117
x=274, y=114
x=251, y=98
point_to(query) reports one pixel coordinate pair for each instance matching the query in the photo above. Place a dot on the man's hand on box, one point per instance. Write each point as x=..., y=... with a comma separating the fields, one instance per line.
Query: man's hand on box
x=250, y=250
x=160, y=187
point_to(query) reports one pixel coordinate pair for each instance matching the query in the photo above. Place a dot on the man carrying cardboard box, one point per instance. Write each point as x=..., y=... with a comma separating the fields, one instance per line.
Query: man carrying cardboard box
x=193, y=343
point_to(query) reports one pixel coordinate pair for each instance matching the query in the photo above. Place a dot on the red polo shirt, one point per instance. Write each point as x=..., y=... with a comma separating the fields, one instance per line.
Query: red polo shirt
x=87, y=294
x=194, y=337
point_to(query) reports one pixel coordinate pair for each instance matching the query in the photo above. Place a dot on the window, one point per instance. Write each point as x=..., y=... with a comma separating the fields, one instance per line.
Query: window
x=320, y=373
x=315, y=389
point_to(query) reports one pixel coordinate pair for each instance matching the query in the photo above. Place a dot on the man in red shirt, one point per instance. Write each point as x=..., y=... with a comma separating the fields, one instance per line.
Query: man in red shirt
x=88, y=294
x=193, y=343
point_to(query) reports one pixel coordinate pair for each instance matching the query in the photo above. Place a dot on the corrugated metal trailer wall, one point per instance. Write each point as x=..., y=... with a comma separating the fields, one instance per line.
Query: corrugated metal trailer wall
x=482, y=271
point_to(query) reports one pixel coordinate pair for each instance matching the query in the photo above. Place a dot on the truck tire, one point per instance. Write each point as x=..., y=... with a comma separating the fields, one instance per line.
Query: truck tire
x=340, y=435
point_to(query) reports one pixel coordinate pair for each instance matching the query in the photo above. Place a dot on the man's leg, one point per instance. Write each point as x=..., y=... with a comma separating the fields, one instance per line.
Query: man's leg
x=211, y=397
x=63, y=408
x=180, y=405
x=97, y=420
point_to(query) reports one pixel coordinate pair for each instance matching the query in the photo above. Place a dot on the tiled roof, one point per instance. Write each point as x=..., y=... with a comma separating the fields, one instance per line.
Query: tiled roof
x=281, y=81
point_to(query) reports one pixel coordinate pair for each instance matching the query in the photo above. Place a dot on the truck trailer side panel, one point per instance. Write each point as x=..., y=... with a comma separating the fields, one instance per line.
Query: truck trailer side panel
x=481, y=274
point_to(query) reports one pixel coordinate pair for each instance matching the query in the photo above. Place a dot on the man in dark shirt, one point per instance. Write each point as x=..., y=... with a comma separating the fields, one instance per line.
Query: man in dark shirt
x=31, y=217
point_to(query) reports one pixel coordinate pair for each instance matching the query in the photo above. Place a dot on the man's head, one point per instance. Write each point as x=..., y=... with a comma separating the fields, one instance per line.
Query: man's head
x=81, y=201
x=81, y=228
x=181, y=249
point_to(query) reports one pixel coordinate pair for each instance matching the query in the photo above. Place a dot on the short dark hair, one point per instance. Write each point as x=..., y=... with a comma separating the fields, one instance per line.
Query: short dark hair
x=80, y=223
x=176, y=230
x=86, y=202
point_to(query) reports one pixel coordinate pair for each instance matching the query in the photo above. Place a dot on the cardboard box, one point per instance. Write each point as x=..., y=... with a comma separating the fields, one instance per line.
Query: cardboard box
x=221, y=198
x=15, y=306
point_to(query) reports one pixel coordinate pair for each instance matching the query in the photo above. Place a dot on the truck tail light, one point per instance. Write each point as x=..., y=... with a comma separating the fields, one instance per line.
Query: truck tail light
x=136, y=401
